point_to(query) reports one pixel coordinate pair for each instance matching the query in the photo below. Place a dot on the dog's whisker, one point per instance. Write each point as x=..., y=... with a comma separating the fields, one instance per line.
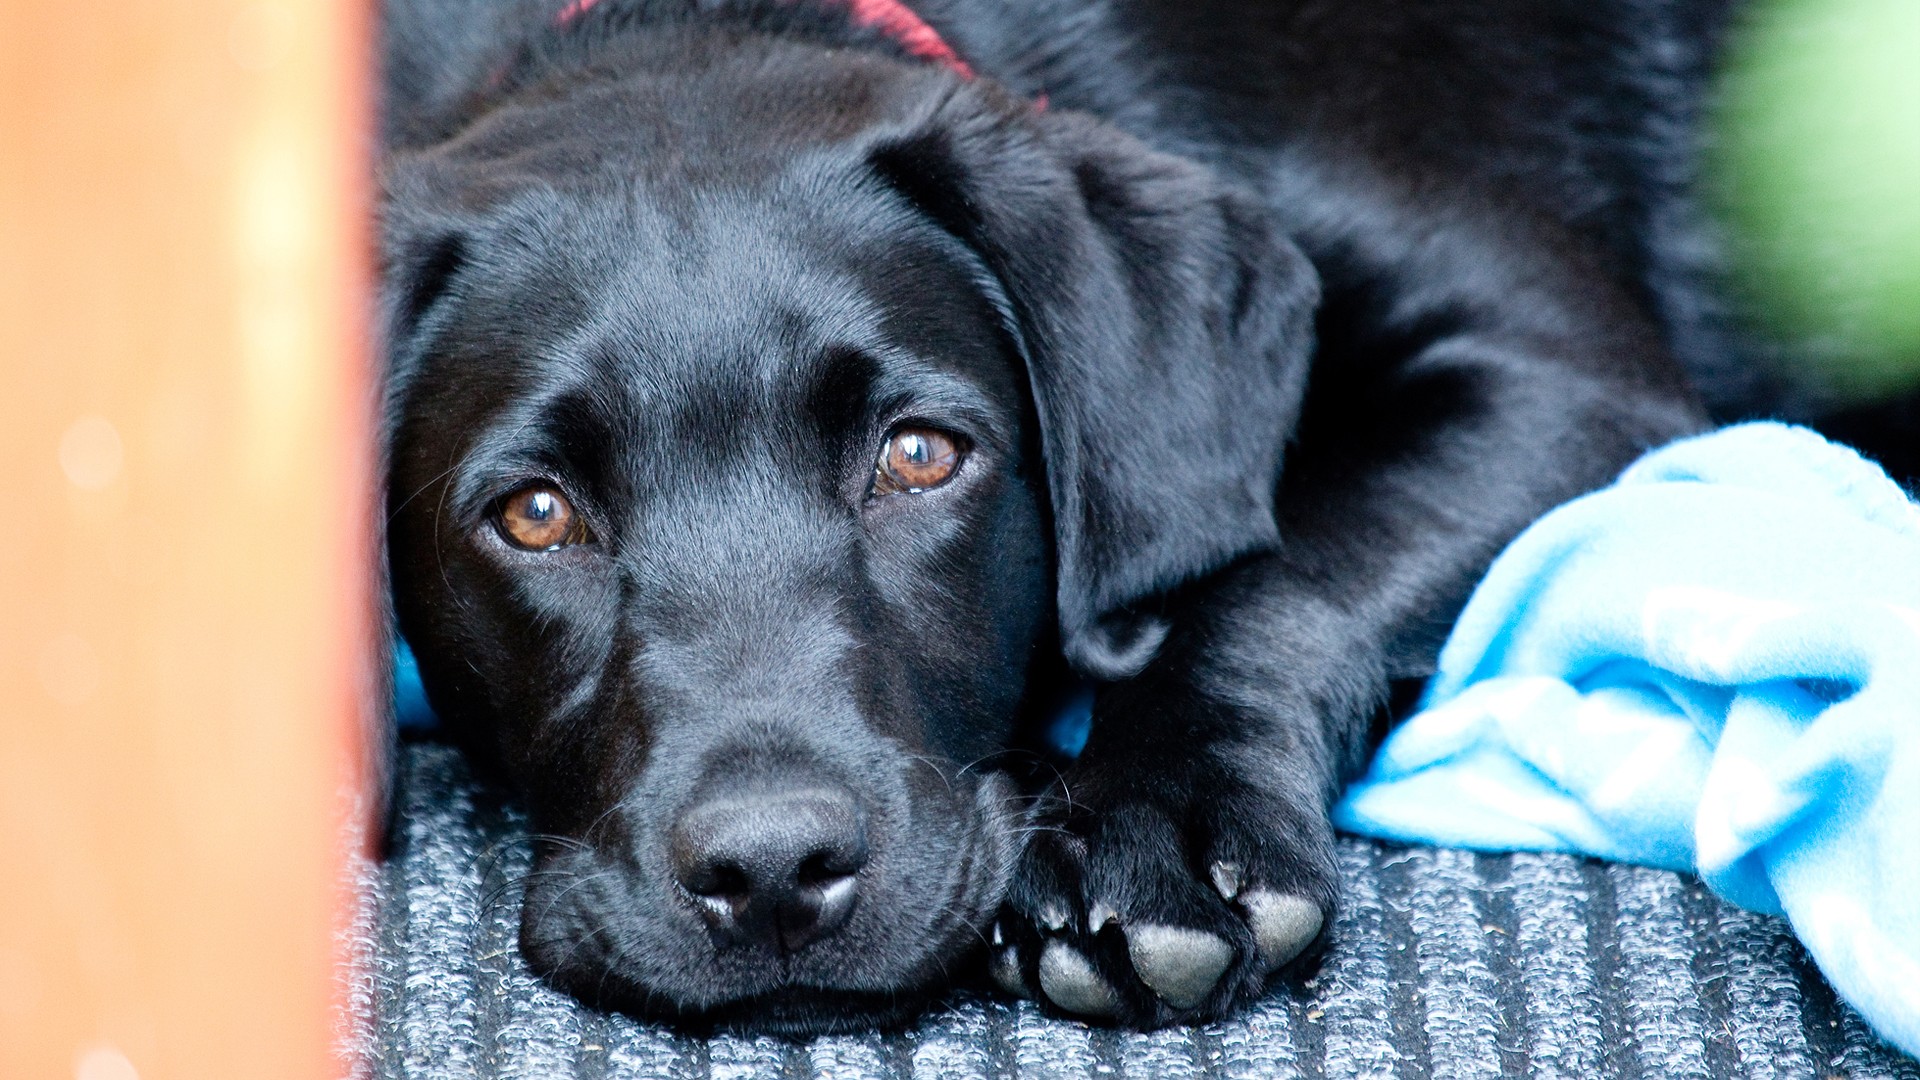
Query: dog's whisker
x=516, y=885
x=935, y=766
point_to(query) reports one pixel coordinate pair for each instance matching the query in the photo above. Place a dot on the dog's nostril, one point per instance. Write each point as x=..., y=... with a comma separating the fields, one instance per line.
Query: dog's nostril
x=720, y=880
x=722, y=892
x=823, y=868
x=777, y=869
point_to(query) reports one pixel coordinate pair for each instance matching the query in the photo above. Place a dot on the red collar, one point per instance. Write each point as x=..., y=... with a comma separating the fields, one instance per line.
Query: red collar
x=889, y=17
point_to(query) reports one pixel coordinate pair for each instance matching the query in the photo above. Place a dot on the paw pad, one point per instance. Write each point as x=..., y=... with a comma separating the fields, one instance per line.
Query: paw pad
x=1282, y=924
x=1182, y=966
x=1070, y=981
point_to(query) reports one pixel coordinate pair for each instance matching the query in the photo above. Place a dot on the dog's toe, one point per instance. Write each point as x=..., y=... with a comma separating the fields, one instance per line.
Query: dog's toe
x=1005, y=969
x=1070, y=981
x=1182, y=966
x=1282, y=924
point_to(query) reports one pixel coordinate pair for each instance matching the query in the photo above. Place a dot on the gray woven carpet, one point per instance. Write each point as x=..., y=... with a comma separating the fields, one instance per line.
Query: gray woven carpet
x=1446, y=964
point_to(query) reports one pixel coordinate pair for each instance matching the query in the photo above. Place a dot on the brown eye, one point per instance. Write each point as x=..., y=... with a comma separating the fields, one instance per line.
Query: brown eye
x=915, y=459
x=539, y=518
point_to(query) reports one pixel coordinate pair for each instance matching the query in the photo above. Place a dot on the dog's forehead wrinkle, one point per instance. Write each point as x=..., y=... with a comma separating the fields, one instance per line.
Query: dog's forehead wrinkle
x=760, y=306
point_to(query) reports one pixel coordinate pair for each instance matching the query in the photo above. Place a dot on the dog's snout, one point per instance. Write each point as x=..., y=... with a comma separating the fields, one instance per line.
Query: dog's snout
x=775, y=869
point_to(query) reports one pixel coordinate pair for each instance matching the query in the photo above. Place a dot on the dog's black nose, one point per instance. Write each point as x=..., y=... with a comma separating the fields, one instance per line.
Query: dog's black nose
x=772, y=868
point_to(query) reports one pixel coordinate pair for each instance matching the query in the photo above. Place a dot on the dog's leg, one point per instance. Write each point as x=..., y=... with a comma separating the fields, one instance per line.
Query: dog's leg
x=1187, y=854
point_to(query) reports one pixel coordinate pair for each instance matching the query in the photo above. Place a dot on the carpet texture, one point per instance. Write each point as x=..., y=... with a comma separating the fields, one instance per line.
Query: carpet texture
x=1446, y=964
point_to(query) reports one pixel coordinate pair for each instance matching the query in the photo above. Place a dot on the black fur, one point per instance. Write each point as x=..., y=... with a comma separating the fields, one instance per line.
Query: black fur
x=1266, y=331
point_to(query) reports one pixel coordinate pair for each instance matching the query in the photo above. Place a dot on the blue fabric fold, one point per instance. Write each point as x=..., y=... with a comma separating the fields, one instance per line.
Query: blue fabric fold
x=1713, y=665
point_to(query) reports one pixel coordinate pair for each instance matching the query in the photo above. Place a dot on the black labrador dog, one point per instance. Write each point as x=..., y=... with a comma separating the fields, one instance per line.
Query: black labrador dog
x=793, y=402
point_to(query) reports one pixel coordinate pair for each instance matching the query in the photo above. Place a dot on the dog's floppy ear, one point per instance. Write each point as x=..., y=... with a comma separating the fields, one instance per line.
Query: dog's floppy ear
x=1166, y=324
x=421, y=251
x=424, y=240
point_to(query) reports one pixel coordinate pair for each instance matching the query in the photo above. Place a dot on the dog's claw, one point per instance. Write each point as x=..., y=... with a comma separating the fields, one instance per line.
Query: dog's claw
x=1282, y=924
x=1005, y=968
x=1228, y=877
x=1181, y=965
x=1070, y=982
x=1099, y=915
x=1053, y=917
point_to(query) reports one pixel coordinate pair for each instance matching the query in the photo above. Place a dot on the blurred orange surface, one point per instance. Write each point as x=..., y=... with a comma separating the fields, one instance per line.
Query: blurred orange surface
x=182, y=598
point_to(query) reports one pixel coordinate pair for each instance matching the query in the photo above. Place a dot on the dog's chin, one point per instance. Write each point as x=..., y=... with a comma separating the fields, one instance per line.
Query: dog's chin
x=790, y=1012
x=800, y=1012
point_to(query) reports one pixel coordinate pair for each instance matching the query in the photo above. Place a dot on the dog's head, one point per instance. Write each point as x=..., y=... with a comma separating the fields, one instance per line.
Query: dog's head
x=764, y=420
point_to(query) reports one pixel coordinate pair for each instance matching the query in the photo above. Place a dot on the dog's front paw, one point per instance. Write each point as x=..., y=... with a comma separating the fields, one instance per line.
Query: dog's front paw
x=1161, y=901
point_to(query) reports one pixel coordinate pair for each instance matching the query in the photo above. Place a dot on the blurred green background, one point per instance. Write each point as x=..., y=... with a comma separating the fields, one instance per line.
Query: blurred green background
x=1815, y=167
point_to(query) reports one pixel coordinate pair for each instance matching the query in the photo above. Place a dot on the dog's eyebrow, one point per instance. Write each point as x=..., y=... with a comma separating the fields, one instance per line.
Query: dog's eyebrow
x=520, y=444
x=856, y=387
x=923, y=391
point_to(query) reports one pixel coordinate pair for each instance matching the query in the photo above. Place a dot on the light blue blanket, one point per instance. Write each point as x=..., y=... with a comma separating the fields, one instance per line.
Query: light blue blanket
x=1713, y=665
